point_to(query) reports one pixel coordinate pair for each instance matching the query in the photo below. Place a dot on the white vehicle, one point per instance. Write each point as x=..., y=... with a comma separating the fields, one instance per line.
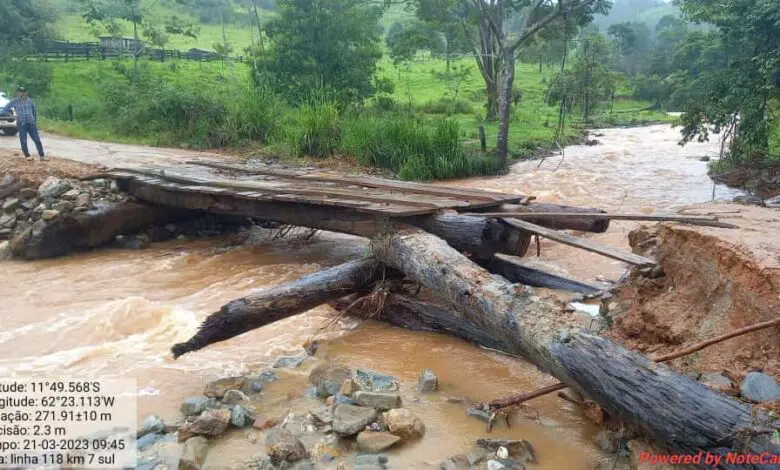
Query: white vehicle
x=7, y=119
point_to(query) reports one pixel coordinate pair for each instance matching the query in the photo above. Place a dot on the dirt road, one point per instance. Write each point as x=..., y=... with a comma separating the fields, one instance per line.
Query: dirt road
x=103, y=153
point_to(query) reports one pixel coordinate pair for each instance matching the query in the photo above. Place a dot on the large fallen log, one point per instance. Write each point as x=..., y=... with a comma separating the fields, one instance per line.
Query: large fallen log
x=583, y=224
x=684, y=414
x=479, y=236
x=274, y=303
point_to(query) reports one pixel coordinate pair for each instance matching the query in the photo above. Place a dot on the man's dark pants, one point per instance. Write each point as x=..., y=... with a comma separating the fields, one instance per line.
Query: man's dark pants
x=31, y=129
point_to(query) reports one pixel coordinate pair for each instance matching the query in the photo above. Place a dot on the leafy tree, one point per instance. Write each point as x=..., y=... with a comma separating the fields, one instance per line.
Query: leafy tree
x=632, y=41
x=445, y=18
x=590, y=80
x=24, y=21
x=737, y=96
x=405, y=39
x=329, y=46
x=500, y=41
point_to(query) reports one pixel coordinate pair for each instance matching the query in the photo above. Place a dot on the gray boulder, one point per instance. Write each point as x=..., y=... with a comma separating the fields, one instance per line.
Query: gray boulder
x=194, y=453
x=372, y=381
x=53, y=187
x=281, y=445
x=290, y=362
x=758, y=387
x=350, y=419
x=194, y=406
x=378, y=400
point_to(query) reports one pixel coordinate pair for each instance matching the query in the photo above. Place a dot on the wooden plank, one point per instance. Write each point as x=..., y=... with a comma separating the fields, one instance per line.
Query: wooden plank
x=371, y=182
x=431, y=203
x=389, y=210
x=688, y=219
x=581, y=243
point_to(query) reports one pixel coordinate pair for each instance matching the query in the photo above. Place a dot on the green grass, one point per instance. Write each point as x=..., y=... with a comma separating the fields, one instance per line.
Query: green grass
x=421, y=88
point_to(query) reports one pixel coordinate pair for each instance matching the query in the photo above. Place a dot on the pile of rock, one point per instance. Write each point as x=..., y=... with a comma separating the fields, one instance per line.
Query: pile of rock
x=225, y=403
x=26, y=206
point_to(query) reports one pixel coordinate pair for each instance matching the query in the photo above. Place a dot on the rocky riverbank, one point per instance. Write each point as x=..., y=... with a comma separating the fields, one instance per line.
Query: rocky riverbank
x=64, y=215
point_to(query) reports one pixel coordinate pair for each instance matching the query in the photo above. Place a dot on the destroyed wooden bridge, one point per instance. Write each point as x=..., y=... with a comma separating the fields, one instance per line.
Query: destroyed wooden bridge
x=462, y=245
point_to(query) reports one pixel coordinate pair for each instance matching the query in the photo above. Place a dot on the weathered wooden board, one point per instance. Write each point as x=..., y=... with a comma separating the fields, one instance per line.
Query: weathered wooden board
x=588, y=245
x=475, y=197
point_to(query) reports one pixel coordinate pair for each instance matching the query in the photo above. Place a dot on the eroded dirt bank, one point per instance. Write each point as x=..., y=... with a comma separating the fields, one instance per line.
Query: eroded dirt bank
x=715, y=281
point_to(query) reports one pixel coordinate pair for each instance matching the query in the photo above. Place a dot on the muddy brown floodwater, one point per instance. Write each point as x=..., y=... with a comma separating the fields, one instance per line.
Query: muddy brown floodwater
x=116, y=313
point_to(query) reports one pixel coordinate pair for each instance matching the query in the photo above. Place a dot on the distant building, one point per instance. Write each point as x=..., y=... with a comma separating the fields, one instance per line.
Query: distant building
x=128, y=44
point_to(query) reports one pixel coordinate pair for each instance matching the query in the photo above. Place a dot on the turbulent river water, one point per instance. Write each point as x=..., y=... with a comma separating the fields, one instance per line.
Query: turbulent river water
x=116, y=313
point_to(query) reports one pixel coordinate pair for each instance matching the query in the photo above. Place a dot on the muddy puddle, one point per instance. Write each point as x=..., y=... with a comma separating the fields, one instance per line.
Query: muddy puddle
x=116, y=313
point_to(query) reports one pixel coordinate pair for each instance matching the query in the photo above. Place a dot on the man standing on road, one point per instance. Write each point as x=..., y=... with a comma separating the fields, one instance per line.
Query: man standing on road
x=26, y=120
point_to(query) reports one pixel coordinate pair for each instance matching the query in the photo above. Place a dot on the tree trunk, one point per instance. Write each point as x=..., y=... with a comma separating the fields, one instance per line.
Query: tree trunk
x=270, y=304
x=584, y=224
x=627, y=385
x=504, y=107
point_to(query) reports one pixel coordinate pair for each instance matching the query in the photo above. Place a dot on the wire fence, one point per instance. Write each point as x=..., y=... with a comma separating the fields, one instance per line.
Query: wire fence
x=78, y=51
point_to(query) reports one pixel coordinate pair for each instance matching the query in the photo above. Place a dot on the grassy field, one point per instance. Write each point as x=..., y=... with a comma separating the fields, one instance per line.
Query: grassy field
x=423, y=85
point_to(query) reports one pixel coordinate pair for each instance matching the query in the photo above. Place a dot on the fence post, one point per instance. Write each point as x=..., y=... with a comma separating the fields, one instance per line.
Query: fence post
x=482, y=140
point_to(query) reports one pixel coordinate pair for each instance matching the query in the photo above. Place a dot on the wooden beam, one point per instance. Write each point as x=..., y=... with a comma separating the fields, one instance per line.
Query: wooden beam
x=370, y=182
x=687, y=219
x=514, y=271
x=582, y=224
x=581, y=243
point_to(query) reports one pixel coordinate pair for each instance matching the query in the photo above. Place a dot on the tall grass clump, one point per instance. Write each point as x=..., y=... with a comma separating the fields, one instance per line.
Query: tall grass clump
x=253, y=114
x=413, y=148
x=314, y=129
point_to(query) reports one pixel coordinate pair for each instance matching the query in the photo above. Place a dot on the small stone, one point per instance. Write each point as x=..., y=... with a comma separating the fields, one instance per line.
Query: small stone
x=328, y=378
x=194, y=453
x=71, y=195
x=98, y=183
x=372, y=381
x=63, y=207
x=234, y=397
x=376, y=441
x=264, y=422
x=49, y=214
x=404, y=423
x=83, y=200
x=28, y=193
x=290, y=362
x=5, y=250
x=53, y=187
x=378, y=400
x=212, y=422
x=219, y=388
x=478, y=413
x=428, y=382
x=8, y=220
x=194, y=406
x=520, y=450
x=717, y=382
x=240, y=417
x=509, y=464
x=152, y=424
x=10, y=204
x=147, y=440
x=350, y=419
x=322, y=416
x=758, y=387
x=281, y=445
x=348, y=387
x=494, y=465
x=371, y=459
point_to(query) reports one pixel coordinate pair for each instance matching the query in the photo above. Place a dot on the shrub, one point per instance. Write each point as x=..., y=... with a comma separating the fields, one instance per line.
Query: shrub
x=447, y=106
